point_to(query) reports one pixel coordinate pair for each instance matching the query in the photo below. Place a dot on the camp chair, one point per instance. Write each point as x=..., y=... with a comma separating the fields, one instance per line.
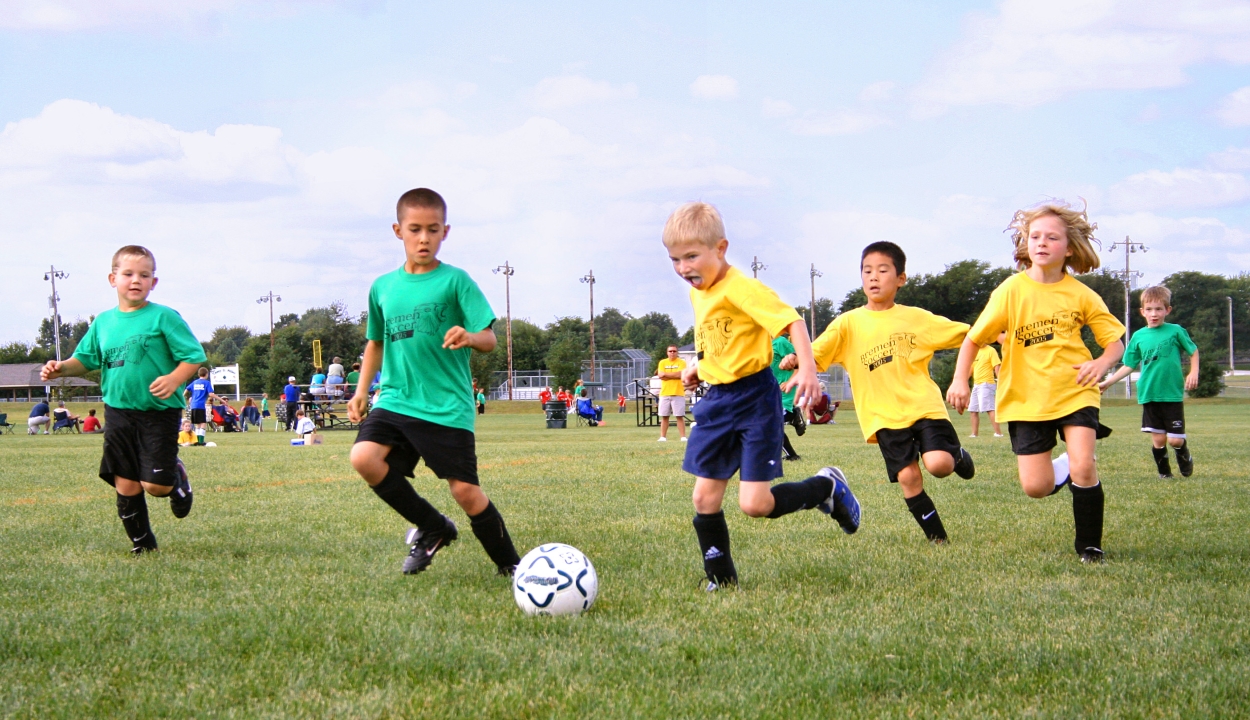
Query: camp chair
x=5, y=424
x=61, y=422
x=587, y=413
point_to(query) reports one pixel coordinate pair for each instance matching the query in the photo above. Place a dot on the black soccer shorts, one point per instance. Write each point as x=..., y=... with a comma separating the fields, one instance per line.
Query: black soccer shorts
x=451, y=453
x=140, y=445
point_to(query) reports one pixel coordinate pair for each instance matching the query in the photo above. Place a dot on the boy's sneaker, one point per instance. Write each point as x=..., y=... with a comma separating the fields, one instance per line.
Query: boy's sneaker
x=998, y=434
x=964, y=466
x=1185, y=463
x=800, y=423
x=662, y=439
x=1091, y=556
x=841, y=505
x=424, y=545
x=683, y=438
x=180, y=498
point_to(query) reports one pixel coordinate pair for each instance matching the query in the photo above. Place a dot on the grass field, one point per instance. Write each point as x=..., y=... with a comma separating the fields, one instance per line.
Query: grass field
x=281, y=595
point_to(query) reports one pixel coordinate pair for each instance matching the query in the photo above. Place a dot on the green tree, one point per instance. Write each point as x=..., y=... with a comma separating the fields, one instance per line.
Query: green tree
x=529, y=346
x=227, y=342
x=609, y=323
x=15, y=352
x=72, y=333
x=565, y=357
x=824, y=313
x=253, y=363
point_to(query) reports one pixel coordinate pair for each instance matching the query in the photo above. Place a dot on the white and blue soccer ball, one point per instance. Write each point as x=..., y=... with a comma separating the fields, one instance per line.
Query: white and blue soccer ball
x=555, y=579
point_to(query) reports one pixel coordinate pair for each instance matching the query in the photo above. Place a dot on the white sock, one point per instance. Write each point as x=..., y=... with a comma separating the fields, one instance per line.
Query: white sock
x=1061, y=469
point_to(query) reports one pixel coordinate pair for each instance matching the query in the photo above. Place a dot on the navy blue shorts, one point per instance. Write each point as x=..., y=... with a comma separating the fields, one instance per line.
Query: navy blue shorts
x=739, y=426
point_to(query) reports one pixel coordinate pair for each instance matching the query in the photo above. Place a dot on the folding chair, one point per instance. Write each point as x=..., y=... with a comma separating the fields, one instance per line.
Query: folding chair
x=5, y=424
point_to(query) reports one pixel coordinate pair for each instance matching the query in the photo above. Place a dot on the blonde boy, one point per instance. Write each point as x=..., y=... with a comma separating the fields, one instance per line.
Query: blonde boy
x=740, y=416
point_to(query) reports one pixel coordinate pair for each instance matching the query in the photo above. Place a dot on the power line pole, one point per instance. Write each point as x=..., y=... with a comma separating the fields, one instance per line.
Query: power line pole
x=508, y=271
x=53, y=274
x=589, y=279
x=756, y=266
x=812, y=308
x=271, y=299
x=1231, y=363
x=1128, y=276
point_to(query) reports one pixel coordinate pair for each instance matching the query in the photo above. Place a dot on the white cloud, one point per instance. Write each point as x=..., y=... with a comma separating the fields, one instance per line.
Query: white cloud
x=771, y=108
x=1190, y=243
x=1232, y=158
x=714, y=87
x=1234, y=109
x=877, y=92
x=571, y=90
x=1181, y=188
x=1030, y=53
x=159, y=15
x=842, y=122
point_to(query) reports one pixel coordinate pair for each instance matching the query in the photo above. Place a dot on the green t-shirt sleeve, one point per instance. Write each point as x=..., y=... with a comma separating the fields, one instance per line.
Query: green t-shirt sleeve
x=1187, y=342
x=88, y=350
x=473, y=305
x=183, y=347
x=1132, y=356
x=375, y=328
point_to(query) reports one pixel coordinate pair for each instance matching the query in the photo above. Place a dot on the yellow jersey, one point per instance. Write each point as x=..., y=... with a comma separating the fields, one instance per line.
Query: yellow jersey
x=886, y=354
x=671, y=387
x=983, y=366
x=735, y=322
x=1043, y=321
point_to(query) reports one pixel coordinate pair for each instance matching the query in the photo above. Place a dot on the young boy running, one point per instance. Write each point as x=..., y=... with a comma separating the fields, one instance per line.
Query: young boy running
x=1156, y=349
x=1048, y=381
x=740, y=417
x=886, y=348
x=425, y=319
x=145, y=353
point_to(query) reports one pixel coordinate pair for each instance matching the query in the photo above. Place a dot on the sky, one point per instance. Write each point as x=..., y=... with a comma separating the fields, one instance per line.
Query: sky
x=260, y=146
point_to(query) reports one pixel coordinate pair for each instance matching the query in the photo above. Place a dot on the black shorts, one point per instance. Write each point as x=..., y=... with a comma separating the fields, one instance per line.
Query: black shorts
x=903, y=447
x=1163, y=417
x=199, y=416
x=140, y=445
x=1031, y=437
x=450, y=452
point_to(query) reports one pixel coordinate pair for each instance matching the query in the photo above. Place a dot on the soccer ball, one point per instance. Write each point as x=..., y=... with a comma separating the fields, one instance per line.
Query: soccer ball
x=555, y=579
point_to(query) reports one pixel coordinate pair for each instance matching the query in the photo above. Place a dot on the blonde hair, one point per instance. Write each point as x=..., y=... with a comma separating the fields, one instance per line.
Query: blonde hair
x=134, y=251
x=694, y=221
x=1156, y=293
x=1080, y=234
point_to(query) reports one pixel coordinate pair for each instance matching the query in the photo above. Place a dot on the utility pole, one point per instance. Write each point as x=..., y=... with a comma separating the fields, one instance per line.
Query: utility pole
x=508, y=271
x=1231, y=364
x=589, y=279
x=812, y=308
x=756, y=266
x=53, y=274
x=1127, y=276
x=271, y=299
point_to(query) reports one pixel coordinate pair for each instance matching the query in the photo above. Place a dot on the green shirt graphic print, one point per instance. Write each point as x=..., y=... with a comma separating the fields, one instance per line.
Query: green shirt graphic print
x=1156, y=352
x=409, y=314
x=131, y=349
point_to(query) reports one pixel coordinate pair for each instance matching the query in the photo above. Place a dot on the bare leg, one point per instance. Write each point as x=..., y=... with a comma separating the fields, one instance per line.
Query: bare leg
x=681, y=425
x=976, y=423
x=664, y=426
x=994, y=419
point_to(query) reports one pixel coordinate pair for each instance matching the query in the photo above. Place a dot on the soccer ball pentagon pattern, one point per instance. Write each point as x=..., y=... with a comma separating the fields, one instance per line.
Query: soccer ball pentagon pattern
x=555, y=579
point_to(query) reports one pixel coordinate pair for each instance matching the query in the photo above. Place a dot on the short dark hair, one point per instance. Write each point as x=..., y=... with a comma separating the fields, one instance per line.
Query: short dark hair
x=890, y=250
x=420, y=198
x=91, y=412
x=203, y=372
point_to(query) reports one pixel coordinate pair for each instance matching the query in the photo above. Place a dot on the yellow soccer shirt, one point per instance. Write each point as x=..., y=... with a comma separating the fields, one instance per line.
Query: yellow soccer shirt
x=671, y=387
x=1037, y=380
x=886, y=353
x=983, y=366
x=735, y=322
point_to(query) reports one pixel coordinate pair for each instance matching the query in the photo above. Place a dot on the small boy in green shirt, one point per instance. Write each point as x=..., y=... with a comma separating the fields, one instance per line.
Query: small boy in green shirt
x=146, y=354
x=1156, y=349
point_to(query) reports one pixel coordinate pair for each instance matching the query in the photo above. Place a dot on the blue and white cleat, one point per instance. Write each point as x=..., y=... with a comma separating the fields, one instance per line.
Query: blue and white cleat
x=841, y=505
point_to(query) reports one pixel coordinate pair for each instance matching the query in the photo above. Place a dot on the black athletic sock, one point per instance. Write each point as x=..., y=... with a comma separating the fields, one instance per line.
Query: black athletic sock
x=133, y=510
x=785, y=444
x=1087, y=505
x=1161, y=459
x=803, y=495
x=926, y=514
x=713, y=534
x=490, y=530
x=1181, y=452
x=396, y=491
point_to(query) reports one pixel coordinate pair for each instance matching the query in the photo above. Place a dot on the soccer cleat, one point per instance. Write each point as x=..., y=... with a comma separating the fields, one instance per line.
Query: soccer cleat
x=506, y=571
x=964, y=466
x=1091, y=556
x=800, y=423
x=1185, y=462
x=145, y=544
x=724, y=583
x=424, y=545
x=180, y=498
x=841, y=505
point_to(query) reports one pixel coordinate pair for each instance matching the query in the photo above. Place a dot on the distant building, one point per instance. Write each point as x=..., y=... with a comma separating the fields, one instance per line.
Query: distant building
x=20, y=381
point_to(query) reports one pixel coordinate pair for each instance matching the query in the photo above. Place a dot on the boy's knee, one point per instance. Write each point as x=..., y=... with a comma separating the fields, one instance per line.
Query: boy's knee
x=706, y=503
x=1176, y=442
x=755, y=508
x=910, y=480
x=370, y=464
x=1083, y=472
x=939, y=464
x=157, y=490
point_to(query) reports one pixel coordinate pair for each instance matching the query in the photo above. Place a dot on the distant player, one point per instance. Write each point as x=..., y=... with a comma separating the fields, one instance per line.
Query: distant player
x=425, y=319
x=1048, y=383
x=200, y=391
x=1156, y=349
x=672, y=393
x=783, y=352
x=984, y=388
x=740, y=417
x=886, y=348
x=146, y=354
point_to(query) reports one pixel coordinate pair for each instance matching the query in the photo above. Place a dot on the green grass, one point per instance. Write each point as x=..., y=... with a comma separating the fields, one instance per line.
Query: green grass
x=281, y=595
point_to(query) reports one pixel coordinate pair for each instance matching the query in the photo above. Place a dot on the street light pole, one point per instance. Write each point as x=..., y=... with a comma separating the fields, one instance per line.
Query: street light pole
x=1127, y=276
x=812, y=308
x=53, y=274
x=507, y=271
x=589, y=279
x=1231, y=364
x=756, y=266
x=271, y=299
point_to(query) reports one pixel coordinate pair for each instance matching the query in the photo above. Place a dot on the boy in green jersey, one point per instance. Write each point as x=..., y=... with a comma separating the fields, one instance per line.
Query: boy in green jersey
x=425, y=319
x=1156, y=350
x=146, y=354
x=783, y=349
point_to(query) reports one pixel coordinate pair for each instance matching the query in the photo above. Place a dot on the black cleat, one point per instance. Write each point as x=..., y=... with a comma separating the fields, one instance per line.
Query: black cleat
x=424, y=545
x=145, y=544
x=1091, y=556
x=180, y=498
x=506, y=571
x=791, y=457
x=800, y=423
x=722, y=583
x=1165, y=477
x=964, y=466
x=1185, y=463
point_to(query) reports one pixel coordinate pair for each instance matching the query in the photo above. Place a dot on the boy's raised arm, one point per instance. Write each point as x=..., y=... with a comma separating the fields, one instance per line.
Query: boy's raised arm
x=957, y=394
x=804, y=379
x=1115, y=378
x=54, y=369
x=482, y=341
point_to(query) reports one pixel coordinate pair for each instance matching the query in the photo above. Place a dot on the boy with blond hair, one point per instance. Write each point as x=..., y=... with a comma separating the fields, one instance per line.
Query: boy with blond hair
x=146, y=354
x=740, y=417
x=1156, y=349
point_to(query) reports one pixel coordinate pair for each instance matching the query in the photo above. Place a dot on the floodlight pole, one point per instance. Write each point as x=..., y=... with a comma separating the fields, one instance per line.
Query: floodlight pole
x=507, y=271
x=1127, y=276
x=756, y=266
x=812, y=308
x=589, y=279
x=53, y=274
x=1231, y=363
x=271, y=299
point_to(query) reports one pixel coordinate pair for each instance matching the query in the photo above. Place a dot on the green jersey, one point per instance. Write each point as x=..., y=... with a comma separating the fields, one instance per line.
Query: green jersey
x=1157, y=353
x=781, y=348
x=409, y=313
x=131, y=349
x=481, y=399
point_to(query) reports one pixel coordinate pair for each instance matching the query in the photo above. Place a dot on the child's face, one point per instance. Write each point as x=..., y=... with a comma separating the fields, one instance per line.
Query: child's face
x=1154, y=312
x=1048, y=242
x=881, y=279
x=697, y=263
x=134, y=279
x=186, y=426
x=423, y=230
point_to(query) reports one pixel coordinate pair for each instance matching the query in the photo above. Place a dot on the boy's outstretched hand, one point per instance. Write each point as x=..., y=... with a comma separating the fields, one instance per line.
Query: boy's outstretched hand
x=357, y=407
x=806, y=383
x=957, y=395
x=51, y=370
x=690, y=377
x=164, y=386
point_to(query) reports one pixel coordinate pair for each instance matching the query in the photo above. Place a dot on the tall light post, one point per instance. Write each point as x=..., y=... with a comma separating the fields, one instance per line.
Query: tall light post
x=812, y=308
x=756, y=266
x=589, y=279
x=507, y=271
x=1127, y=276
x=53, y=274
x=271, y=299
x=1231, y=365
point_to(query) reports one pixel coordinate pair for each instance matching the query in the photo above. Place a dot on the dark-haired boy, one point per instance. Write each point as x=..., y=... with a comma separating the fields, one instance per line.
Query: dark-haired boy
x=146, y=353
x=200, y=392
x=425, y=319
x=886, y=348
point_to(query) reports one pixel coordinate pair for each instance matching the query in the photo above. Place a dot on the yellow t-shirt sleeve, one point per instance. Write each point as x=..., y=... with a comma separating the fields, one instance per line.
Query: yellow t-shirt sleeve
x=1100, y=320
x=762, y=304
x=828, y=348
x=992, y=321
x=942, y=333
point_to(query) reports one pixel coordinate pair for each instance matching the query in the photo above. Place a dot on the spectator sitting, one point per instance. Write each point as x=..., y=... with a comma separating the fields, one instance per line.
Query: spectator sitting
x=63, y=418
x=335, y=379
x=186, y=437
x=39, y=415
x=318, y=384
x=304, y=424
x=91, y=424
x=250, y=414
x=587, y=409
x=353, y=378
x=821, y=411
x=225, y=417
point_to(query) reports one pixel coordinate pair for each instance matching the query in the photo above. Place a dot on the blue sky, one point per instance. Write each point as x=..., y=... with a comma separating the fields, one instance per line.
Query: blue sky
x=259, y=146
